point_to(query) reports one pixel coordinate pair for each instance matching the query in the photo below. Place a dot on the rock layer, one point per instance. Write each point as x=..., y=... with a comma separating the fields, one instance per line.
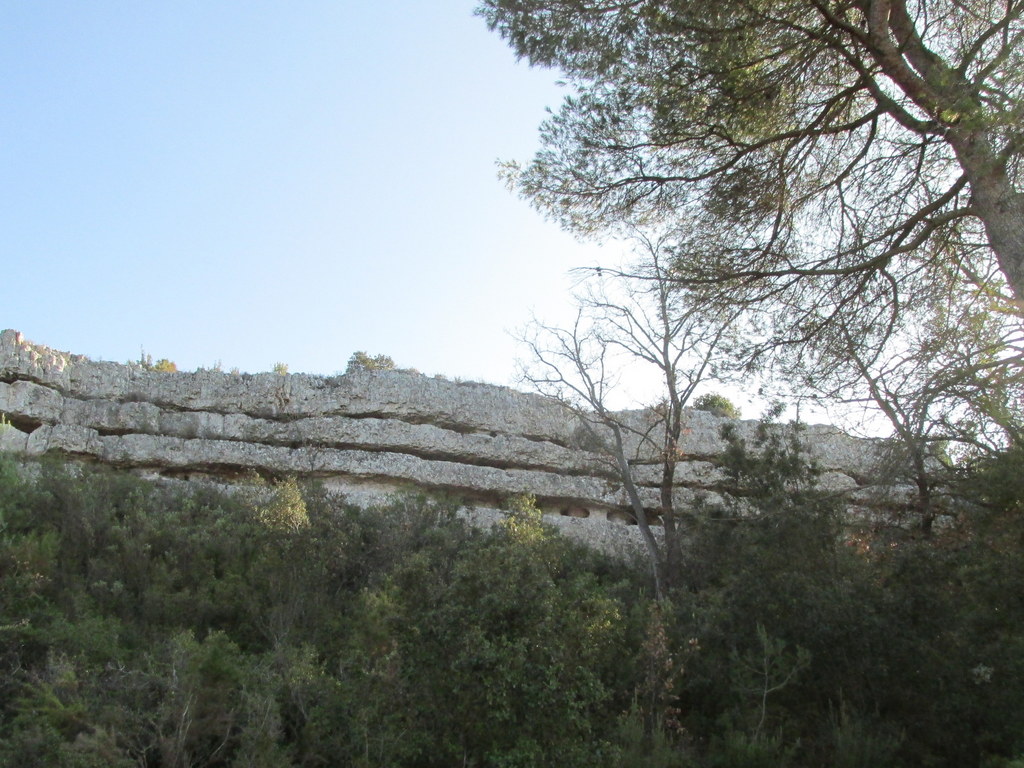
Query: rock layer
x=366, y=434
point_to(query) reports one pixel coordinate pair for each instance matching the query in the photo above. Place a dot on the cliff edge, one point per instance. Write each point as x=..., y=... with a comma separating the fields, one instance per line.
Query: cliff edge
x=365, y=434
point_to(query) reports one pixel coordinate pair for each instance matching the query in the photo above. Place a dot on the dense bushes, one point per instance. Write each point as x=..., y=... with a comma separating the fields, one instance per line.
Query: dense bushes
x=142, y=625
x=149, y=626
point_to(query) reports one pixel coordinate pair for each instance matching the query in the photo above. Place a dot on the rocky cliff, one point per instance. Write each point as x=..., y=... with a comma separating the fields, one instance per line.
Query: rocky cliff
x=365, y=434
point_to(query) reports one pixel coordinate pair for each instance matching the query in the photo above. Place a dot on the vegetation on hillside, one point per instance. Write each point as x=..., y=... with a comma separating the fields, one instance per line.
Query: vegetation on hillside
x=181, y=626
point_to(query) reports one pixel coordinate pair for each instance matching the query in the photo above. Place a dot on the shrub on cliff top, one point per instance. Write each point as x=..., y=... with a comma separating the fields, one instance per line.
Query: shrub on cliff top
x=361, y=361
x=163, y=365
x=718, y=405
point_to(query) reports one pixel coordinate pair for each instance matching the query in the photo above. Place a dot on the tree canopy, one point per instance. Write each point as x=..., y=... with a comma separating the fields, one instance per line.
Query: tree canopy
x=840, y=149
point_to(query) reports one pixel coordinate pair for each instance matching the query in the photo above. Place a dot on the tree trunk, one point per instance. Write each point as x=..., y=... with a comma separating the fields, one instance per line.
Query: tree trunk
x=999, y=206
x=1001, y=209
x=928, y=80
x=653, y=552
x=668, y=521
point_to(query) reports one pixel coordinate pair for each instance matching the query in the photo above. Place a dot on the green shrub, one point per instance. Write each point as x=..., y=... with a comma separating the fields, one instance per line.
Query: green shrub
x=736, y=749
x=863, y=742
x=717, y=404
x=634, y=745
x=149, y=625
x=163, y=365
x=360, y=361
x=998, y=480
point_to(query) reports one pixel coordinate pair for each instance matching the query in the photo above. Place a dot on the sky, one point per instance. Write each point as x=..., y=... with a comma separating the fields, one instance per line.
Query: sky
x=250, y=183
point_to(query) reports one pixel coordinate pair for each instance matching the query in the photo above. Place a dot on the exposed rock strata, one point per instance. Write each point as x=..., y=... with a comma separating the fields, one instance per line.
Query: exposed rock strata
x=379, y=430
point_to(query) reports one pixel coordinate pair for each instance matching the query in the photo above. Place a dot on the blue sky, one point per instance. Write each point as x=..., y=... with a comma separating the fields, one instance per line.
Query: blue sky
x=259, y=182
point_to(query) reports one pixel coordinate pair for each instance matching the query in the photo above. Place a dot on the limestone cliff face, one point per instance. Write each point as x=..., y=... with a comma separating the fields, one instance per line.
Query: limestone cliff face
x=365, y=434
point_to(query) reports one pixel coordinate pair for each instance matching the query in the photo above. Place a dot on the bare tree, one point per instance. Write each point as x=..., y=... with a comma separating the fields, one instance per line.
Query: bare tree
x=947, y=377
x=627, y=319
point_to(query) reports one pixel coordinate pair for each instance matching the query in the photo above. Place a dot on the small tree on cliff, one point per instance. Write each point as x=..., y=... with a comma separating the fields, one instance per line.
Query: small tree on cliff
x=361, y=361
x=628, y=320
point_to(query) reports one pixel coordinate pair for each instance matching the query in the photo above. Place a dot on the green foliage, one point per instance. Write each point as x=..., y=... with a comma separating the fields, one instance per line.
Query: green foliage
x=163, y=365
x=281, y=368
x=862, y=742
x=360, y=361
x=736, y=749
x=273, y=627
x=285, y=509
x=639, y=746
x=998, y=481
x=524, y=521
x=765, y=669
x=717, y=404
x=725, y=92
